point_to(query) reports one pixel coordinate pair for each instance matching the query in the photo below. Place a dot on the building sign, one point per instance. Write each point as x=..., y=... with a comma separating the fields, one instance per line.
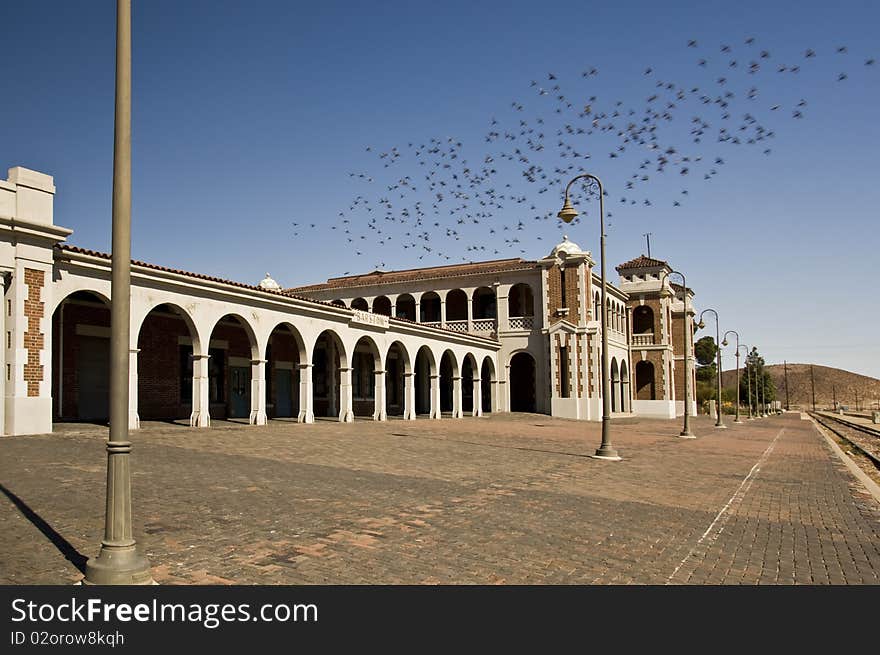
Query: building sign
x=366, y=318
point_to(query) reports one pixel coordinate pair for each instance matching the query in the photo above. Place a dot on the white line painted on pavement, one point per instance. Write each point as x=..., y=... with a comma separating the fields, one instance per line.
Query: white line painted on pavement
x=737, y=496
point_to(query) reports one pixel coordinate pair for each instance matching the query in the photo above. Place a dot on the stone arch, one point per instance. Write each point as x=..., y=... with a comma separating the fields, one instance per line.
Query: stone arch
x=645, y=387
x=522, y=382
x=484, y=304
x=232, y=353
x=469, y=373
x=456, y=305
x=339, y=302
x=405, y=307
x=366, y=360
x=449, y=372
x=643, y=320
x=488, y=385
x=521, y=300
x=625, y=401
x=166, y=339
x=361, y=304
x=429, y=307
x=615, y=386
x=81, y=357
x=397, y=368
x=285, y=354
x=382, y=305
x=425, y=372
x=329, y=362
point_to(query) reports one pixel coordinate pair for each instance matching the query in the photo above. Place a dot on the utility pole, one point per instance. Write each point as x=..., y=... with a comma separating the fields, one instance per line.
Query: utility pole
x=857, y=400
x=785, y=368
x=834, y=395
x=813, y=386
x=647, y=235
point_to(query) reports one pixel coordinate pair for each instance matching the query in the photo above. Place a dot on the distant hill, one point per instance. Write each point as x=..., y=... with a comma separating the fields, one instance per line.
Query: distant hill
x=829, y=383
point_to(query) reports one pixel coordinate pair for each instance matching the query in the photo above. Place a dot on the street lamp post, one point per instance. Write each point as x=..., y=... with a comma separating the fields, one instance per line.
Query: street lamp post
x=686, y=430
x=567, y=214
x=719, y=423
x=119, y=562
x=748, y=381
x=736, y=420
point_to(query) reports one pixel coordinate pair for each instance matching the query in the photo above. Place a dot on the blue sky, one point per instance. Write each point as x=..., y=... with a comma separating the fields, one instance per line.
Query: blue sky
x=250, y=117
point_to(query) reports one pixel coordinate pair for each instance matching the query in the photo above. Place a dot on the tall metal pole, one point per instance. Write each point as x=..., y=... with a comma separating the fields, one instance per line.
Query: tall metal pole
x=686, y=430
x=734, y=332
x=813, y=387
x=785, y=369
x=719, y=423
x=605, y=450
x=119, y=562
x=748, y=382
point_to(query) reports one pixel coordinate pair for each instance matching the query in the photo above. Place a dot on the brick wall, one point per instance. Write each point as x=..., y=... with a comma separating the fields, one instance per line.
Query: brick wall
x=34, y=339
x=554, y=294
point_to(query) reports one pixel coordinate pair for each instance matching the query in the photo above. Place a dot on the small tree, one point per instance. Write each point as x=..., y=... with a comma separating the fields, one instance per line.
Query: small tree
x=761, y=380
x=705, y=372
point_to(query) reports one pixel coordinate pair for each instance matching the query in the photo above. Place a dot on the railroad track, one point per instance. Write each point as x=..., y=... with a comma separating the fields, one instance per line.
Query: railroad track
x=863, y=438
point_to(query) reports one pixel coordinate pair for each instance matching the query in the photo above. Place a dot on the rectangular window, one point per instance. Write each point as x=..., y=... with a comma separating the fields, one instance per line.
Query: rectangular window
x=562, y=298
x=564, y=391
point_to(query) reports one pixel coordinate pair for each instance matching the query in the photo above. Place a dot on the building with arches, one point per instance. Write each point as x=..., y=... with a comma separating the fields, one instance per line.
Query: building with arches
x=430, y=343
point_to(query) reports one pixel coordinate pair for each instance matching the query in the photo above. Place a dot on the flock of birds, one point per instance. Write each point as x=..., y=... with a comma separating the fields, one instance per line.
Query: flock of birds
x=427, y=196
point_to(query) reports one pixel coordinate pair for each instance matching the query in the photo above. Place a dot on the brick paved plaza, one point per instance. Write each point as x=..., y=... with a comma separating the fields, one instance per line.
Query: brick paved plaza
x=504, y=499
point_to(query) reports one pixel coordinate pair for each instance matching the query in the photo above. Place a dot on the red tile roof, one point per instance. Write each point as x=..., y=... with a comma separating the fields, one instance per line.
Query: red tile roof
x=408, y=275
x=641, y=262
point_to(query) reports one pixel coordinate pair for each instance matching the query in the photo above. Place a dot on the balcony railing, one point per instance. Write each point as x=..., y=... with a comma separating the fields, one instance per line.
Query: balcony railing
x=483, y=326
x=457, y=326
x=646, y=339
x=521, y=322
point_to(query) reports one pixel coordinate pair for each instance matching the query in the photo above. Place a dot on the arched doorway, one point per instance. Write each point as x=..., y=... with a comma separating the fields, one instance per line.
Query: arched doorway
x=448, y=372
x=488, y=385
x=522, y=383
x=425, y=370
x=328, y=357
x=365, y=361
x=457, y=309
x=397, y=366
x=429, y=308
x=284, y=354
x=615, y=386
x=468, y=370
x=81, y=358
x=405, y=307
x=232, y=351
x=645, y=388
x=165, y=364
x=382, y=305
x=624, y=388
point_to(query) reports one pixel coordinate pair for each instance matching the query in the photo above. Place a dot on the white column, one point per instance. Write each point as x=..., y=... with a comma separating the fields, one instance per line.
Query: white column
x=258, y=392
x=417, y=298
x=470, y=313
x=306, y=406
x=456, y=397
x=393, y=307
x=346, y=415
x=200, y=416
x=435, y=397
x=134, y=421
x=443, y=312
x=379, y=410
x=409, y=396
x=478, y=398
x=501, y=307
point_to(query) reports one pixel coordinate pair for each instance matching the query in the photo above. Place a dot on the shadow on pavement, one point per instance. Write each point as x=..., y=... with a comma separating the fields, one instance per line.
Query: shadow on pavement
x=65, y=547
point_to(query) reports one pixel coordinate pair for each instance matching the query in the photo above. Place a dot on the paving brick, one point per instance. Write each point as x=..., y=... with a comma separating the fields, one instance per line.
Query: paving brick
x=494, y=500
